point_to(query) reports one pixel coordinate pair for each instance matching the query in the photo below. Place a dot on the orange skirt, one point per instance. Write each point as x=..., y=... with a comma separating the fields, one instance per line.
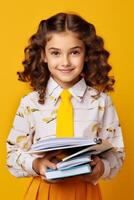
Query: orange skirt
x=69, y=189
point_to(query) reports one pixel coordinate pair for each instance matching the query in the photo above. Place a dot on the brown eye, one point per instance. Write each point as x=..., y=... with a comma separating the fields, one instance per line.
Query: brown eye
x=75, y=52
x=55, y=53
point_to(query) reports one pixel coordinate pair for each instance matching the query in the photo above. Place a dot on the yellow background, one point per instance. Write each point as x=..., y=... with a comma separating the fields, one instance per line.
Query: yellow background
x=113, y=20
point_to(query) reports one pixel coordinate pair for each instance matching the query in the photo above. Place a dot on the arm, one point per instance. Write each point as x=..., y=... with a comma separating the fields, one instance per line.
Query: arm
x=109, y=163
x=19, y=142
x=112, y=132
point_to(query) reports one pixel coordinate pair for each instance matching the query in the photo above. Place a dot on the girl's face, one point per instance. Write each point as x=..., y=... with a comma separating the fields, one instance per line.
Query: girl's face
x=65, y=56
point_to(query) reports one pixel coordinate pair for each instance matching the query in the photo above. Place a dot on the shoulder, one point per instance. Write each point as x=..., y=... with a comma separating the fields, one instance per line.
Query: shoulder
x=99, y=96
x=30, y=98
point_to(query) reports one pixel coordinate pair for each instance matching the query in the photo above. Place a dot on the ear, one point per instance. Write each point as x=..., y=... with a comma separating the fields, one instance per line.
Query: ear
x=43, y=57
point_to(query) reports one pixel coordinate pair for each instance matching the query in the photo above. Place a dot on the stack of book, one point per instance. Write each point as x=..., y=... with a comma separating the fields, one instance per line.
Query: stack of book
x=78, y=153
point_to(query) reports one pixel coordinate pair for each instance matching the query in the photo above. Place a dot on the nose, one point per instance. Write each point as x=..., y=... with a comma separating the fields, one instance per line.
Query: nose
x=65, y=60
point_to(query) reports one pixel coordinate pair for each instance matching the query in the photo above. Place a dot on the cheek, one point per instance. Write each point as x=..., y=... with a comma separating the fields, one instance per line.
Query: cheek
x=52, y=63
x=79, y=64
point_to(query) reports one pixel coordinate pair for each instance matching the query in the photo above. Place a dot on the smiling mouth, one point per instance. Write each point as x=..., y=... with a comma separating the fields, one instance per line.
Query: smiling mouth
x=65, y=70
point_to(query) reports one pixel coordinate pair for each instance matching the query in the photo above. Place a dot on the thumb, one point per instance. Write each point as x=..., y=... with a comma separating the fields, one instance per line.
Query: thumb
x=94, y=161
x=42, y=171
x=50, y=164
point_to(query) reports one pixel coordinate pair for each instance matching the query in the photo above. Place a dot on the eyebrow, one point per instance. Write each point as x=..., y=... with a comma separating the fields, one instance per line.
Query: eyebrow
x=76, y=47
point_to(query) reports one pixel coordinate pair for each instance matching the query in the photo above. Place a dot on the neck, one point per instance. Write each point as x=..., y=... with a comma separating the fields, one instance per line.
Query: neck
x=67, y=85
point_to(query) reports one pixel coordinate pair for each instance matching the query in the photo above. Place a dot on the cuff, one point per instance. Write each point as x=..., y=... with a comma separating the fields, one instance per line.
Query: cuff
x=30, y=170
x=27, y=163
x=106, y=169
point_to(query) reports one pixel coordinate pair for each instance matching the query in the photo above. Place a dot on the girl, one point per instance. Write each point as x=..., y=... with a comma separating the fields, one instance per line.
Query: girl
x=65, y=53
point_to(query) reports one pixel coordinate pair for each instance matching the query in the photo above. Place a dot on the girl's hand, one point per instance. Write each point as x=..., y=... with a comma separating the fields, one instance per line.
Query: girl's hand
x=40, y=164
x=98, y=170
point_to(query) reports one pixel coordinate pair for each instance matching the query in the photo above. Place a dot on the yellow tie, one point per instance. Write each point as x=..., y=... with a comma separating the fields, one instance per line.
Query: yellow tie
x=64, y=126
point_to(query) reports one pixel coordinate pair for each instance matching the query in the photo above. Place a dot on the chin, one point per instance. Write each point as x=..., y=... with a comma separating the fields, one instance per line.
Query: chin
x=67, y=80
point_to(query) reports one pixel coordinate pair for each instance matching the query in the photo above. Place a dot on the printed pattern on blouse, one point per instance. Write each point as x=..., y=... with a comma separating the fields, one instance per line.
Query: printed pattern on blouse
x=94, y=116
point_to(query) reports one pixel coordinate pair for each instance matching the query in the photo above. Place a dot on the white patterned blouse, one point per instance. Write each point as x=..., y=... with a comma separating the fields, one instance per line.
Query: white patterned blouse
x=94, y=116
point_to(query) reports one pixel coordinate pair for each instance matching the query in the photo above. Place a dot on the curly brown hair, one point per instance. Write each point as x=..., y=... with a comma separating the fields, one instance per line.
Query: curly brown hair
x=95, y=69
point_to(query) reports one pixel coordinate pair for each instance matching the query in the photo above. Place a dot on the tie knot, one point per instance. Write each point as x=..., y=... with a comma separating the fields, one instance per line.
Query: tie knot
x=65, y=95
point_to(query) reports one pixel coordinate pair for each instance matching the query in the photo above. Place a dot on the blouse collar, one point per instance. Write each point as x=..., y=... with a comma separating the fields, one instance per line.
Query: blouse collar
x=54, y=90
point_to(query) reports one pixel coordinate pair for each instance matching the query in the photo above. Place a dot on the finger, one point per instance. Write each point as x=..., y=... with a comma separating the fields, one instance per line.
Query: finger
x=94, y=161
x=89, y=178
x=46, y=164
x=94, y=176
x=50, y=164
x=95, y=169
x=97, y=159
x=52, y=154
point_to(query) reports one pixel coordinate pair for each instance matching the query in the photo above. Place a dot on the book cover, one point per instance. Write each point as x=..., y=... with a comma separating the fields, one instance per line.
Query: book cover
x=73, y=171
x=62, y=143
x=78, y=160
x=92, y=150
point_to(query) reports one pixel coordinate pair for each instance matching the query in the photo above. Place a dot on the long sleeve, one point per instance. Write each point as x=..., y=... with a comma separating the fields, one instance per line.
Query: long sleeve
x=111, y=131
x=20, y=138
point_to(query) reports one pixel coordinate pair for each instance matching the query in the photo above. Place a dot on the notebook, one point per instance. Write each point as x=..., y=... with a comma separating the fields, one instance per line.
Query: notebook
x=92, y=150
x=73, y=171
x=78, y=160
x=62, y=143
